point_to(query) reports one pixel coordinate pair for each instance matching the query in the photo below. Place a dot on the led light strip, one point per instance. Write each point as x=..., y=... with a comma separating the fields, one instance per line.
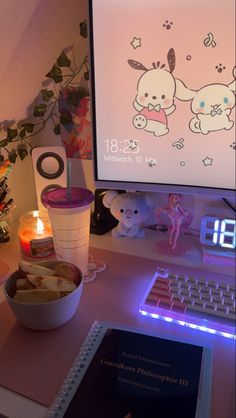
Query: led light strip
x=189, y=324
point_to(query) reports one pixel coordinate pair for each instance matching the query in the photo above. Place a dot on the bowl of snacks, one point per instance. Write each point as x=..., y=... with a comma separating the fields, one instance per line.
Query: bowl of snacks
x=44, y=295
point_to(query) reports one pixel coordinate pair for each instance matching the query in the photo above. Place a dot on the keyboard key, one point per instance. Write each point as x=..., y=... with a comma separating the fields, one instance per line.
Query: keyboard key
x=206, y=298
x=202, y=282
x=204, y=291
x=211, y=284
x=150, y=301
x=165, y=303
x=195, y=295
x=210, y=306
x=231, y=313
x=164, y=281
x=195, y=288
x=226, y=294
x=215, y=292
x=185, y=285
x=191, y=279
x=172, y=276
x=222, y=286
x=217, y=300
x=184, y=292
x=174, y=290
x=177, y=298
x=221, y=309
x=199, y=303
x=228, y=302
x=178, y=307
x=187, y=300
x=162, y=293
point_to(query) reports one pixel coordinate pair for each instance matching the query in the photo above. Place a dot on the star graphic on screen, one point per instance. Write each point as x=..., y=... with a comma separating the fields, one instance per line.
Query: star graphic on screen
x=136, y=42
x=207, y=161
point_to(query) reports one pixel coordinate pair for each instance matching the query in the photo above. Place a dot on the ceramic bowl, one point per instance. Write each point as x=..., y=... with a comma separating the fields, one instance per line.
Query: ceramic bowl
x=43, y=316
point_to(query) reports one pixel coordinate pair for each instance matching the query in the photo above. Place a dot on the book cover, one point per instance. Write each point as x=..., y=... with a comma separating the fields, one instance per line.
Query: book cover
x=133, y=375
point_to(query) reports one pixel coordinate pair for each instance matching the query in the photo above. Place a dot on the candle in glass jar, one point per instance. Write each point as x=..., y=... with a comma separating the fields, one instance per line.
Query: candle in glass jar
x=35, y=236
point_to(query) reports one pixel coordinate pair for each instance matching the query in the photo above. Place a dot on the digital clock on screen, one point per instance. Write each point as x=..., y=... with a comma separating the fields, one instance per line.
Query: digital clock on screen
x=218, y=232
x=125, y=146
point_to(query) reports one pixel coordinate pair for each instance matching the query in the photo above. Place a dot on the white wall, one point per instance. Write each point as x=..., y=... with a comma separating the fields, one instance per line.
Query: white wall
x=33, y=33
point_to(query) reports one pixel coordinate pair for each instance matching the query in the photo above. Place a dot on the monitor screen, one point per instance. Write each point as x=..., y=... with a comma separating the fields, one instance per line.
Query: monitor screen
x=163, y=89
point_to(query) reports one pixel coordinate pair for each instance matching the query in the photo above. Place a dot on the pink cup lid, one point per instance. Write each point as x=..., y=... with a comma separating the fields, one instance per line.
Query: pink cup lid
x=57, y=198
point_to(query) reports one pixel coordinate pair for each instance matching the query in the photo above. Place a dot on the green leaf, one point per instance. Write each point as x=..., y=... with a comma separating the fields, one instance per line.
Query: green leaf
x=12, y=156
x=63, y=60
x=29, y=127
x=11, y=134
x=65, y=117
x=82, y=92
x=47, y=94
x=72, y=98
x=57, y=129
x=22, y=151
x=75, y=95
x=83, y=29
x=55, y=74
x=22, y=133
x=40, y=110
x=21, y=146
x=3, y=143
x=86, y=75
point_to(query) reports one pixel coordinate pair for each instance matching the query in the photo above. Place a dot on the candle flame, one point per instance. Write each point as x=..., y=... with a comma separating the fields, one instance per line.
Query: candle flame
x=40, y=226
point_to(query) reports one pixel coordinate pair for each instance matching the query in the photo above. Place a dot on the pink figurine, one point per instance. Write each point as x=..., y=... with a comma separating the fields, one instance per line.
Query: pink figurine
x=176, y=214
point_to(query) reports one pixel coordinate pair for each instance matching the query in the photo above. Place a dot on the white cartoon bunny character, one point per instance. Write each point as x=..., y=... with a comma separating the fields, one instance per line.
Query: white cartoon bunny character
x=155, y=96
x=212, y=105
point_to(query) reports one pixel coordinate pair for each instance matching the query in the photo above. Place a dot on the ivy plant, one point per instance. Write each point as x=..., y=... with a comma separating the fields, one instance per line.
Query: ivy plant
x=16, y=140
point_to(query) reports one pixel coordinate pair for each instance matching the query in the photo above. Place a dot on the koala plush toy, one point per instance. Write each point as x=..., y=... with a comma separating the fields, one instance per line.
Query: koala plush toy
x=130, y=209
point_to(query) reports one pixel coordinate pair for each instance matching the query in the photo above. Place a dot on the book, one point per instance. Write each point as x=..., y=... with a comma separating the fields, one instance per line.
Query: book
x=122, y=372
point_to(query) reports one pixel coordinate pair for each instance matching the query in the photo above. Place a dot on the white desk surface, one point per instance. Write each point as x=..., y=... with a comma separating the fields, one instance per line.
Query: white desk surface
x=223, y=394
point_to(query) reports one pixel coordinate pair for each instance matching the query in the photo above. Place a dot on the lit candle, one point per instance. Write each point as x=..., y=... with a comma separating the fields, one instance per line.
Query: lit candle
x=35, y=236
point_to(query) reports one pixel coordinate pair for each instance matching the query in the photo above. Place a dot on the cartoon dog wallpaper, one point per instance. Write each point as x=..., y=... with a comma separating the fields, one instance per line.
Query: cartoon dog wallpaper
x=212, y=104
x=155, y=96
x=156, y=89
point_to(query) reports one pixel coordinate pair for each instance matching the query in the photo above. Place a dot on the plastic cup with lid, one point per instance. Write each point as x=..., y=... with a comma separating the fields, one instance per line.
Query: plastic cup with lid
x=70, y=221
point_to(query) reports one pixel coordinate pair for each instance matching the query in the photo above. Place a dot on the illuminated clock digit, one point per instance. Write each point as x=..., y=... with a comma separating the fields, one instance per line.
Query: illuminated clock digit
x=227, y=238
x=208, y=233
x=218, y=232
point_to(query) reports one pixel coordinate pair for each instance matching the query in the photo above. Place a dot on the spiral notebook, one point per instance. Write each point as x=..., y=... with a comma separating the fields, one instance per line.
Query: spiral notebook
x=122, y=372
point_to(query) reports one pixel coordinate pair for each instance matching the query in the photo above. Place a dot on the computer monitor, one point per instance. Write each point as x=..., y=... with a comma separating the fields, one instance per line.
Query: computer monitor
x=163, y=90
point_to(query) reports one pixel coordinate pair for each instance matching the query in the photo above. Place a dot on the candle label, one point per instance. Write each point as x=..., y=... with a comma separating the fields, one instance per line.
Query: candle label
x=42, y=247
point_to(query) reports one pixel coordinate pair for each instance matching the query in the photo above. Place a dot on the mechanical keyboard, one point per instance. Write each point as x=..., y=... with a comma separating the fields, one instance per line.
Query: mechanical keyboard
x=193, y=301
